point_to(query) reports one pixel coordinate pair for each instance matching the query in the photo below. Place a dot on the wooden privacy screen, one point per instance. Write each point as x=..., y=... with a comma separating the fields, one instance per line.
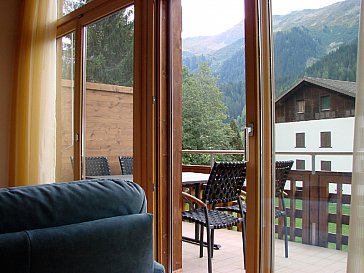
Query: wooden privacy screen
x=108, y=124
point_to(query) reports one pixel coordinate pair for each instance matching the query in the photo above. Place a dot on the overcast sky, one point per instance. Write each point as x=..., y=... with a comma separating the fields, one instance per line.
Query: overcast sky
x=210, y=17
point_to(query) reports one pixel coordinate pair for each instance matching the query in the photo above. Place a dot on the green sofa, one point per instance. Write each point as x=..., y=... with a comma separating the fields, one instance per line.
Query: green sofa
x=92, y=226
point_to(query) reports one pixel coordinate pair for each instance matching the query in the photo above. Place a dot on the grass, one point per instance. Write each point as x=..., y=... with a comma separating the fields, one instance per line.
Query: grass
x=332, y=207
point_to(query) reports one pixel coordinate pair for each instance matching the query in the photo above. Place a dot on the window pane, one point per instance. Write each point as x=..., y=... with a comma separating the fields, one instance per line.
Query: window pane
x=64, y=108
x=325, y=165
x=315, y=60
x=300, y=106
x=68, y=6
x=109, y=94
x=325, y=139
x=300, y=140
x=325, y=103
x=300, y=164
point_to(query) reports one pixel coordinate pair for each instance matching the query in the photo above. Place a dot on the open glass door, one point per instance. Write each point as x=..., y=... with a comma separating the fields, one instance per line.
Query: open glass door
x=108, y=96
x=315, y=60
x=225, y=83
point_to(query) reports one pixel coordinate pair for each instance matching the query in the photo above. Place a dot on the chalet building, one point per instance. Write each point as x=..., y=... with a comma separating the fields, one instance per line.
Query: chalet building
x=315, y=120
x=315, y=99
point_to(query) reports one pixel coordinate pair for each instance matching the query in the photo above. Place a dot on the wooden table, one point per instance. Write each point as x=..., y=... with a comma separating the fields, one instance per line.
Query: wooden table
x=188, y=178
x=128, y=177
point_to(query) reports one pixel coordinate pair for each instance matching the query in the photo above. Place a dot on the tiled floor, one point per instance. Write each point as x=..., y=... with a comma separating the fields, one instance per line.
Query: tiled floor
x=302, y=258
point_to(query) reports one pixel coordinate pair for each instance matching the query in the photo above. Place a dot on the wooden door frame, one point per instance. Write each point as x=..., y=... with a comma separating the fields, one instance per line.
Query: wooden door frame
x=169, y=156
x=156, y=110
x=259, y=113
x=158, y=67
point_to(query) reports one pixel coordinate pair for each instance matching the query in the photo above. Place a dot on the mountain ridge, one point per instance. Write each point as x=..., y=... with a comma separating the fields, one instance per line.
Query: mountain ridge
x=320, y=21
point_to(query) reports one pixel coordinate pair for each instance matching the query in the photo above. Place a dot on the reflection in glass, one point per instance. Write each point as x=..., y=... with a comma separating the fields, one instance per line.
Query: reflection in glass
x=64, y=108
x=70, y=5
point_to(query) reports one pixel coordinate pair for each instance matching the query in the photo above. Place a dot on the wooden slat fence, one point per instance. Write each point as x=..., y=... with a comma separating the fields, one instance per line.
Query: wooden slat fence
x=314, y=214
x=316, y=203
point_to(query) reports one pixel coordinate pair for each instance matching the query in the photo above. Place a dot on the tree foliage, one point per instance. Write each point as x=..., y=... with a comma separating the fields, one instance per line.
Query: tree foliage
x=203, y=116
x=337, y=65
x=110, y=49
x=293, y=50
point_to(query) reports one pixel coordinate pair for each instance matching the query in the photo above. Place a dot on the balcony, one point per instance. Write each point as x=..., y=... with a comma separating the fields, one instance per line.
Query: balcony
x=318, y=208
x=302, y=257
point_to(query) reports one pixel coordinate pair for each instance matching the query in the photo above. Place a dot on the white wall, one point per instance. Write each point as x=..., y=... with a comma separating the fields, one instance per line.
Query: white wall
x=9, y=15
x=342, y=133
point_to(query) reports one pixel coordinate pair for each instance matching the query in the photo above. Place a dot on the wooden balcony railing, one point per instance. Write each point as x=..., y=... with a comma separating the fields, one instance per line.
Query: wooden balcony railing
x=322, y=212
x=318, y=208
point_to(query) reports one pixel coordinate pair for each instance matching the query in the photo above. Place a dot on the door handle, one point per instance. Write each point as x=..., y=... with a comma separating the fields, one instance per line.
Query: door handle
x=249, y=131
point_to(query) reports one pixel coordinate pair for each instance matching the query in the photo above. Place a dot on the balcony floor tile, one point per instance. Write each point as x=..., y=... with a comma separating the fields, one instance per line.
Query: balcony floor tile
x=302, y=258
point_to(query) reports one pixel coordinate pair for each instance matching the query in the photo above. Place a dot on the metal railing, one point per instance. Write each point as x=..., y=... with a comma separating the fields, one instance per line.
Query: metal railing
x=313, y=156
x=212, y=153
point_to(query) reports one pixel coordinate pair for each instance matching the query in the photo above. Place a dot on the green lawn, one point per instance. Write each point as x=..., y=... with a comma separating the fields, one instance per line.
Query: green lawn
x=331, y=226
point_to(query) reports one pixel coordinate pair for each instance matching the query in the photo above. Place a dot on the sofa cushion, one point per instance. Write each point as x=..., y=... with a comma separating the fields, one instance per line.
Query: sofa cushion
x=50, y=205
x=122, y=244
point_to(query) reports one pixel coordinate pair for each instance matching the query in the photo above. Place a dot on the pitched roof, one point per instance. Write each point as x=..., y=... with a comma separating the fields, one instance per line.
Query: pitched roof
x=343, y=87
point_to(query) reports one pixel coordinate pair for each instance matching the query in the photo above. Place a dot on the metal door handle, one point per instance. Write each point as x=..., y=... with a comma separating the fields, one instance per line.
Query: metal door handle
x=248, y=132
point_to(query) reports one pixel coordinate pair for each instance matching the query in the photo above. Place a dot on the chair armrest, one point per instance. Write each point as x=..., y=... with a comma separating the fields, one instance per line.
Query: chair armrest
x=243, y=195
x=193, y=199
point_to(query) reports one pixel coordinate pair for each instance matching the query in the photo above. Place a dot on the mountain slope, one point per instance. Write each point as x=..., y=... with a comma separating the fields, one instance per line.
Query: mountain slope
x=337, y=65
x=311, y=42
x=208, y=44
x=330, y=16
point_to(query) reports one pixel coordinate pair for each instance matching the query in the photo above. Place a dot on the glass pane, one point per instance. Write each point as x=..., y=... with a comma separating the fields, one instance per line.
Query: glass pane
x=213, y=112
x=325, y=103
x=64, y=108
x=67, y=6
x=315, y=58
x=108, y=131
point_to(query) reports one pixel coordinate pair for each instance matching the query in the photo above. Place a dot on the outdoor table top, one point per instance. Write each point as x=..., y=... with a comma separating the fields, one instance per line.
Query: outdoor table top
x=188, y=178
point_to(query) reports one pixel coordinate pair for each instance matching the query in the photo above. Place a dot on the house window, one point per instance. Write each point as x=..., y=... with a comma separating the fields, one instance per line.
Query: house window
x=325, y=165
x=300, y=140
x=300, y=164
x=300, y=106
x=325, y=103
x=325, y=139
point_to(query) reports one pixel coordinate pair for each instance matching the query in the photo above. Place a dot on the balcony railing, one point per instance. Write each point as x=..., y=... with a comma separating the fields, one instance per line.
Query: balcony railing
x=317, y=206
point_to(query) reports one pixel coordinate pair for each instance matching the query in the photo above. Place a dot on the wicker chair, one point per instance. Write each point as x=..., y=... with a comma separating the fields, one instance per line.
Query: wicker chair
x=97, y=166
x=225, y=183
x=126, y=164
x=282, y=168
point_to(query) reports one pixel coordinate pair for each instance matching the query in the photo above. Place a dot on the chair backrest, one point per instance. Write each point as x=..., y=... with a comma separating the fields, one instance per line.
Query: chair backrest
x=126, y=164
x=282, y=168
x=225, y=182
x=97, y=166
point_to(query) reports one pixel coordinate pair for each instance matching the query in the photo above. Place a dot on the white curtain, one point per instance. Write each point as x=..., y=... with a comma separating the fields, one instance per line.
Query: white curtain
x=356, y=232
x=32, y=158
